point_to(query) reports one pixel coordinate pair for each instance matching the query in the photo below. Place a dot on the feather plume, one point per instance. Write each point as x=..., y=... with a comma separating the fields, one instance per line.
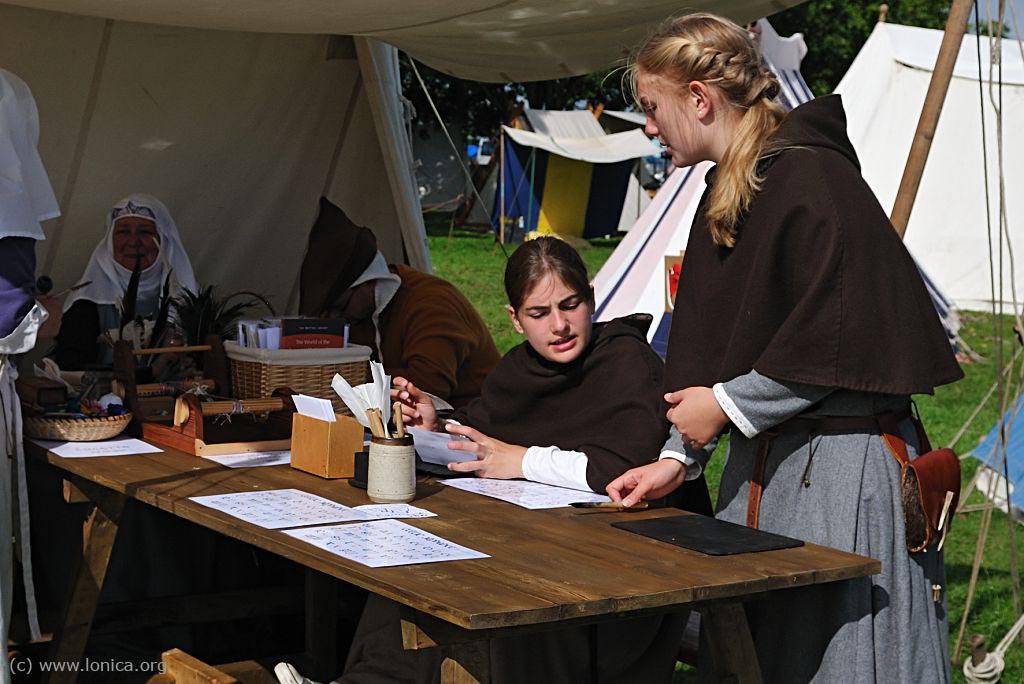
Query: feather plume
x=131, y=295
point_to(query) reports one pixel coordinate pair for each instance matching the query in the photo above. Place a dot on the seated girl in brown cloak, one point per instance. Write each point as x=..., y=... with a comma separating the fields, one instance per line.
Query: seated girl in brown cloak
x=575, y=405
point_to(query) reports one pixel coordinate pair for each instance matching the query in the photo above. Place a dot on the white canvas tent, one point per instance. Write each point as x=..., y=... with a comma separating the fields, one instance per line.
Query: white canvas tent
x=238, y=133
x=883, y=92
x=240, y=113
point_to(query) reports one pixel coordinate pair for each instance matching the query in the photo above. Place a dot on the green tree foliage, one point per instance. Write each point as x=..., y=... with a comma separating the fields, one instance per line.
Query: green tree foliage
x=995, y=27
x=835, y=30
x=477, y=108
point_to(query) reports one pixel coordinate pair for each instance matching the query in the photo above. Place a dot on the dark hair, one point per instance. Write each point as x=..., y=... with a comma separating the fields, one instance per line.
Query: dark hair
x=537, y=258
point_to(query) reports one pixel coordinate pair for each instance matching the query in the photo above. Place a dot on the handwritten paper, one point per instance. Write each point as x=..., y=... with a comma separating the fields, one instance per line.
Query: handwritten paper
x=279, y=508
x=384, y=543
x=532, y=495
x=432, y=447
x=253, y=459
x=122, y=446
x=321, y=409
x=382, y=511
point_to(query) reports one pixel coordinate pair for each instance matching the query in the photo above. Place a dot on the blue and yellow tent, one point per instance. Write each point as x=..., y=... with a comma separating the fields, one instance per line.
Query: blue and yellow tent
x=574, y=187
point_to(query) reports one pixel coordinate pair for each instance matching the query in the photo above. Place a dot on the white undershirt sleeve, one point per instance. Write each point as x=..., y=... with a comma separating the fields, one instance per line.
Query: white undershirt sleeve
x=554, y=466
x=23, y=338
x=731, y=410
x=693, y=459
x=693, y=466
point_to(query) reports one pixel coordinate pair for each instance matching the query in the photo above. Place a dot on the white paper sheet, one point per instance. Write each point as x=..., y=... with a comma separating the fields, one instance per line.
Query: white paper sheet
x=121, y=446
x=382, y=511
x=384, y=543
x=374, y=394
x=253, y=459
x=279, y=508
x=532, y=495
x=433, y=447
x=321, y=409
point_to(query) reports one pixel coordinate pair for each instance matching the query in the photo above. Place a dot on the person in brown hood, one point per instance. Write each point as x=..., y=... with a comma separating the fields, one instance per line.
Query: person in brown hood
x=418, y=325
x=803, y=324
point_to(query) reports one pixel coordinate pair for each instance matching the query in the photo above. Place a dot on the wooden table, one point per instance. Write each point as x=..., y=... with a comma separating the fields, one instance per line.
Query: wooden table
x=547, y=568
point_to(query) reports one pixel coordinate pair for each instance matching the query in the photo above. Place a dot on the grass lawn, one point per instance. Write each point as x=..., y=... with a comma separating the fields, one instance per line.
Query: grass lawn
x=475, y=264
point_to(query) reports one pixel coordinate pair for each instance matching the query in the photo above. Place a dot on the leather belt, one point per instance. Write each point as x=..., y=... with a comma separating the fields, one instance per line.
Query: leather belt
x=810, y=426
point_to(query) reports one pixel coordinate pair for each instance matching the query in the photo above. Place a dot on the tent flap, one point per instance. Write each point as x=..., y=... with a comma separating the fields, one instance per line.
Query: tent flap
x=483, y=40
x=603, y=149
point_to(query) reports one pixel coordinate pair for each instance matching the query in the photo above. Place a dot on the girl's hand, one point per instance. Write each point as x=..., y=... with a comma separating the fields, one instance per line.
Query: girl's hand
x=696, y=414
x=651, y=481
x=417, y=408
x=494, y=458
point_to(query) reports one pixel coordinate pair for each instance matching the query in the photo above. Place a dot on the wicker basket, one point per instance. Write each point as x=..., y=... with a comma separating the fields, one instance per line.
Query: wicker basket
x=76, y=429
x=256, y=373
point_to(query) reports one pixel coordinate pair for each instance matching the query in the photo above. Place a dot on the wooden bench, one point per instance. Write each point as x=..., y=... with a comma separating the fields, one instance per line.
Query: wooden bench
x=181, y=668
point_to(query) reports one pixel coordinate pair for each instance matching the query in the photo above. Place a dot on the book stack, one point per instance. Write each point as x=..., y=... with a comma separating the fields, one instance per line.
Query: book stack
x=293, y=333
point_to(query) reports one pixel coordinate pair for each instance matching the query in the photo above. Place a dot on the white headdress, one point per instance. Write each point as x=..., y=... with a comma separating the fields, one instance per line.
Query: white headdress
x=110, y=279
x=26, y=197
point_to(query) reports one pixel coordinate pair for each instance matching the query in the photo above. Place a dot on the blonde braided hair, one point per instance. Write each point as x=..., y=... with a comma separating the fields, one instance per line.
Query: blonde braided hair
x=708, y=48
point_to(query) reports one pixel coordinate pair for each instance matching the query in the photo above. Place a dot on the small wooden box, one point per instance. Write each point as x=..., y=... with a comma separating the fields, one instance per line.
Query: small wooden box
x=326, y=449
x=41, y=391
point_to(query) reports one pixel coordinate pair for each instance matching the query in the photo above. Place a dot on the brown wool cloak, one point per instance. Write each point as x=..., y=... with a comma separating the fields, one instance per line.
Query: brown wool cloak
x=819, y=288
x=429, y=331
x=607, y=403
x=432, y=335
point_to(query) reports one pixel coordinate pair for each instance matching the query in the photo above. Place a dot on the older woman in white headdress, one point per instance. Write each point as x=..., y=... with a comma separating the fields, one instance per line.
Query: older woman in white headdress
x=140, y=232
x=26, y=198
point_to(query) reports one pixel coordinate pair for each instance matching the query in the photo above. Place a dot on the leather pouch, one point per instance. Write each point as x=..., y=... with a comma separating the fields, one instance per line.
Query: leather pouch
x=929, y=484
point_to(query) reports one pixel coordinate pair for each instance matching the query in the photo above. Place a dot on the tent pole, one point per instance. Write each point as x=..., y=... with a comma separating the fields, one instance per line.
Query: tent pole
x=956, y=26
x=533, y=193
x=378, y=67
x=501, y=182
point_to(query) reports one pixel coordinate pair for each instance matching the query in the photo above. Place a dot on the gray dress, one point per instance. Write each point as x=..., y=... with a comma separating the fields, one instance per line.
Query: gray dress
x=885, y=628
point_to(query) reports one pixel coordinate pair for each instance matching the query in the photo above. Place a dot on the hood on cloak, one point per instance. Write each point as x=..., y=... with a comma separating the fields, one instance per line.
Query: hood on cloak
x=818, y=123
x=341, y=255
x=338, y=252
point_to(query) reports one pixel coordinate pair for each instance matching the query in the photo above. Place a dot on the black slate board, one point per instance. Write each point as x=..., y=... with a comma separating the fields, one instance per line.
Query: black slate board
x=707, y=535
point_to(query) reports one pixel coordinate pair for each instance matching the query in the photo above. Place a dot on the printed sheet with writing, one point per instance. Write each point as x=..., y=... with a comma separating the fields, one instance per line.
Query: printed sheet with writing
x=253, y=459
x=279, y=508
x=384, y=543
x=119, y=446
x=532, y=495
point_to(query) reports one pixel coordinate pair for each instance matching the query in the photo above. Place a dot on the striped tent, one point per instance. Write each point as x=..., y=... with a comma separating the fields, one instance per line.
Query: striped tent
x=641, y=274
x=783, y=57
x=566, y=176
